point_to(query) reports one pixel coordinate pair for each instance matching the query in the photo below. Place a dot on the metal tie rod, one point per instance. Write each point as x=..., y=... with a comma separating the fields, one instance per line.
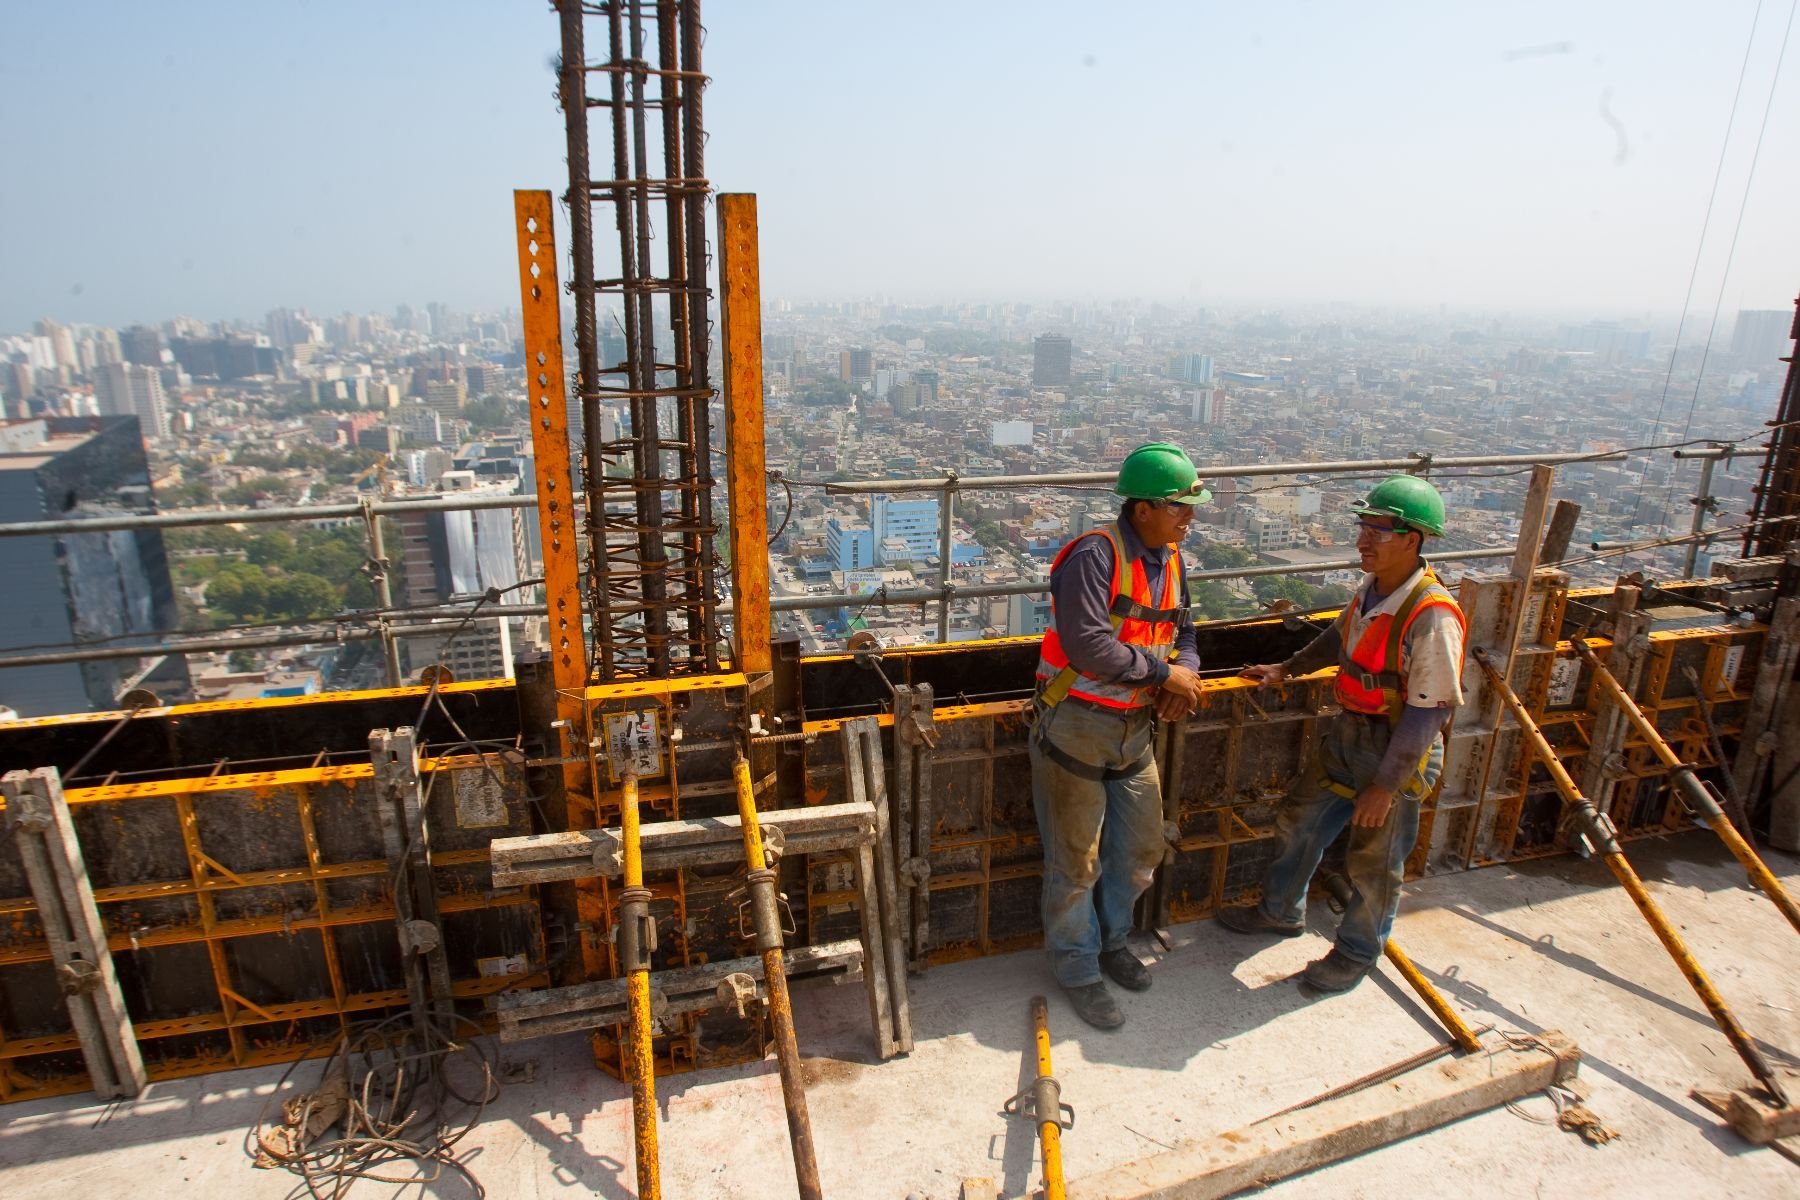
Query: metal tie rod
x=1601, y=838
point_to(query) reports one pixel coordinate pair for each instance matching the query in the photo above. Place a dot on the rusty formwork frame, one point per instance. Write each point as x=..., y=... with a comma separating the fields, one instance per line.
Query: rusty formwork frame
x=1238, y=754
x=286, y=907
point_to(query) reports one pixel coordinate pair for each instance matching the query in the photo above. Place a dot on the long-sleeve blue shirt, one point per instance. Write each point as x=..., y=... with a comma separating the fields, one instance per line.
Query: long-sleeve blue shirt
x=1081, y=595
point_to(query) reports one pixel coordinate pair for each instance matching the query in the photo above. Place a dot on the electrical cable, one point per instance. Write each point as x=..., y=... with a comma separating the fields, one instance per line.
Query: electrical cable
x=1705, y=221
x=390, y=1088
x=1731, y=251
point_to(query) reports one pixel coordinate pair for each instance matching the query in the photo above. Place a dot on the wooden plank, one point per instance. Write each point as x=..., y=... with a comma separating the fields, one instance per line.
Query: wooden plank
x=544, y=858
x=603, y=1002
x=1274, y=1149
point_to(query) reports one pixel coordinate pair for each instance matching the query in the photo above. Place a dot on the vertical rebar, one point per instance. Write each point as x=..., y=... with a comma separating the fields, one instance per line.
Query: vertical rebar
x=654, y=604
x=572, y=89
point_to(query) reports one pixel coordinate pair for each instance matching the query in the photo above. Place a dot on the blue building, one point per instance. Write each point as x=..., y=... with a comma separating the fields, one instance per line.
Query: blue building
x=849, y=545
x=913, y=521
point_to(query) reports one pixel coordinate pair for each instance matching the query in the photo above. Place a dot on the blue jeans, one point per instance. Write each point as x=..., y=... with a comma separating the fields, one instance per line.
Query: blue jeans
x=1102, y=837
x=1313, y=816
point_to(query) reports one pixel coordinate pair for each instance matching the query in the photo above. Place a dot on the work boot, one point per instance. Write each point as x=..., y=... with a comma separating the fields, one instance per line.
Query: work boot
x=1095, y=1005
x=1250, y=918
x=1336, y=972
x=1125, y=969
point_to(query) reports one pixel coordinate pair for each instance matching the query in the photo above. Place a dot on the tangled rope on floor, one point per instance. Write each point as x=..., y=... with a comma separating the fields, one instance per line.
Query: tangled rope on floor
x=400, y=1100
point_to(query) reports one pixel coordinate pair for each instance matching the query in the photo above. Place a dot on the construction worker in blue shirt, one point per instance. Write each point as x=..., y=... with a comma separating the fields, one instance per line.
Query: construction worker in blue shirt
x=1118, y=653
x=1399, y=649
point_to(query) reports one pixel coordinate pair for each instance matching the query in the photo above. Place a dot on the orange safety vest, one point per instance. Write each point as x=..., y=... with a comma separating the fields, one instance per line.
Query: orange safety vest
x=1368, y=679
x=1137, y=620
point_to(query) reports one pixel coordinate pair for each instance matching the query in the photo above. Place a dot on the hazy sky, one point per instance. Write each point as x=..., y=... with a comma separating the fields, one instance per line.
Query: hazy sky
x=220, y=159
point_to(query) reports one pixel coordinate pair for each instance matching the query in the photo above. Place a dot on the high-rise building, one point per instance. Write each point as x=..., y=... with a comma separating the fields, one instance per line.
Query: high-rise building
x=1207, y=406
x=1762, y=337
x=62, y=345
x=77, y=587
x=1191, y=368
x=1051, y=357
x=850, y=545
x=856, y=366
x=142, y=345
x=1608, y=341
x=128, y=390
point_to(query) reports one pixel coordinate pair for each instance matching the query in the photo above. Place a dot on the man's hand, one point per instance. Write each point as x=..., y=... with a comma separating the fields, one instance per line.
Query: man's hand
x=1181, y=684
x=1372, y=805
x=1267, y=674
x=1170, y=707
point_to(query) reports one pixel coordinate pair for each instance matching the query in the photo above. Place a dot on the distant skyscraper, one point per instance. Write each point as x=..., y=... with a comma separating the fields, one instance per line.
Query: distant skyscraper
x=1608, y=341
x=856, y=367
x=128, y=390
x=1191, y=368
x=79, y=587
x=142, y=345
x=1762, y=337
x=1051, y=355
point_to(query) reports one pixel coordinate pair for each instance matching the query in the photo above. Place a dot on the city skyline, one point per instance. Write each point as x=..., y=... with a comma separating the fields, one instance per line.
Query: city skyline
x=351, y=159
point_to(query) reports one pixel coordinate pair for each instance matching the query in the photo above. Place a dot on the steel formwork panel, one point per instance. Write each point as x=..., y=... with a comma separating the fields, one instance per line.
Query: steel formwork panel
x=252, y=915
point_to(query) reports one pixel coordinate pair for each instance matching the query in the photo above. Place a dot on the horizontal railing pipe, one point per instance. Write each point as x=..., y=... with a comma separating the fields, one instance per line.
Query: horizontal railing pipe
x=976, y=483
x=260, y=516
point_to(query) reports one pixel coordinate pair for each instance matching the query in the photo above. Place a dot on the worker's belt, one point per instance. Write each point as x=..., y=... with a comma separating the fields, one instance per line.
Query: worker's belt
x=1126, y=608
x=1369, y=681
x=1088, y=771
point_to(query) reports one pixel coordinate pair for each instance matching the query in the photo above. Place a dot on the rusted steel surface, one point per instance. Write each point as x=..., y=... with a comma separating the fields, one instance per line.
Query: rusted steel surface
x=250, y=916
x=740, y=310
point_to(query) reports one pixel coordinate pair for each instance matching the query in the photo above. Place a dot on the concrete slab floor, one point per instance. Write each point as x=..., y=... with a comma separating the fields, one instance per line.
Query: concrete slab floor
x=1225, y=1036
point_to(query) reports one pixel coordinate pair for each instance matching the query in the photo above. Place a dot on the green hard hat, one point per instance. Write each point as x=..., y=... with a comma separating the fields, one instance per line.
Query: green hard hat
x=1408, y=499
x=1160, y=471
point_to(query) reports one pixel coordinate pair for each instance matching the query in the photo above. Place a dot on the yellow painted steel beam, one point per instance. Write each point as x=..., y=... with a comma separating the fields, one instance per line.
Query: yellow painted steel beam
x=740, y=314
x=546, y=388
x=273, y=703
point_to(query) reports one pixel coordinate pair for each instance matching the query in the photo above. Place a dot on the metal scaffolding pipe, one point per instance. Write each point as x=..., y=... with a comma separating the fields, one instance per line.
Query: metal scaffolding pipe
x=262, y=516
x=637, y=938
x=1047, y=1102
x=765, y=910
x=1693, y=791
x=1223, y=470
x=1602, y=838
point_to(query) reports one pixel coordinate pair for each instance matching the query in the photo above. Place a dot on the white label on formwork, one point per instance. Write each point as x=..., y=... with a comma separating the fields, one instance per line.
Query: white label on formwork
x=1728, y=670
x=1564, y=675
x=1534, y=616
x=480, y=800
x=632, y=745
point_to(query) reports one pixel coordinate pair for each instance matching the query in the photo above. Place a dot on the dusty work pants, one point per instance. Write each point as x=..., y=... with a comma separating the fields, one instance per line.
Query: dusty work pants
x=1102, y=836
x=1312, y=817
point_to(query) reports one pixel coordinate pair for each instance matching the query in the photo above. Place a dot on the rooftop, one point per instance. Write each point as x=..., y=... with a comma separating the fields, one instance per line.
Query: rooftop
x=1223, y=1038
